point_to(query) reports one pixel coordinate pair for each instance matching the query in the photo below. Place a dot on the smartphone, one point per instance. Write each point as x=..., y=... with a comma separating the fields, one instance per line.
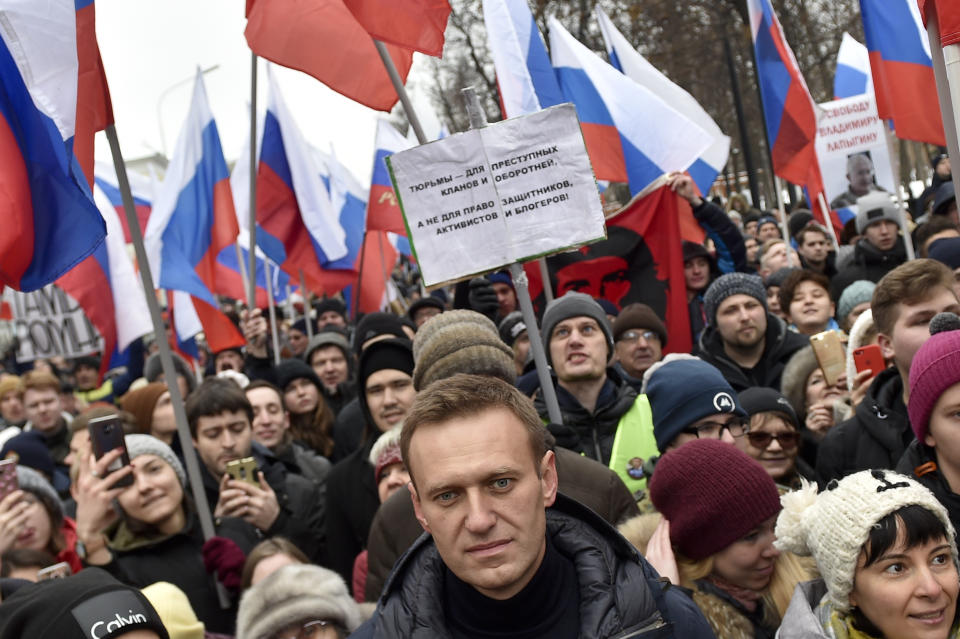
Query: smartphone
x=830, y=356
x=106, y=434
x=244, y=470
x=56, y=571
x=8, y=477
x=869, y=357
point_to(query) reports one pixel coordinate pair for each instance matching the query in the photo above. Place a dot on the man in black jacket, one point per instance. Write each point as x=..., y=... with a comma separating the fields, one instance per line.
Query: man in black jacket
x=507, y=555
x=903, y=304
x=749, y=345
x=880, y=250
x=281, y=503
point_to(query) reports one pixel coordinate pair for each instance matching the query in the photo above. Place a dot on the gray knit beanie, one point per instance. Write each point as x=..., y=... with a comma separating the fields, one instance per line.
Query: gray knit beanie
x=296, y=593
x=149, y=445
x=574, y=304
x=33, y=482
x=327, y=338
x=460, y=341
x=732, y=284
x=873, y=207
x=857, y=293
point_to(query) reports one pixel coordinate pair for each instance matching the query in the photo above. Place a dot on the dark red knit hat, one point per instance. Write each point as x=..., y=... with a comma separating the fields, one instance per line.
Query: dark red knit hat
x=712, y=494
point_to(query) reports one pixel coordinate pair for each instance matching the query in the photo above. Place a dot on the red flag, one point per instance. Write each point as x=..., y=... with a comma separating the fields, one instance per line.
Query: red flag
x=411, y=24
x=323, y=39
x=379, y=258
x=948, y=17
x=640, y=261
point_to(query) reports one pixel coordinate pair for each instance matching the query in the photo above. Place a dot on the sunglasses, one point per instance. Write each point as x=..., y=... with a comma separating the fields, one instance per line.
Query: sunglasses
x=760, y=439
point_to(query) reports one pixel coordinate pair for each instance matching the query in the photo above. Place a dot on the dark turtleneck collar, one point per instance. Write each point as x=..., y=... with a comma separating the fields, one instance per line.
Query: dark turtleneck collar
x=548, y=606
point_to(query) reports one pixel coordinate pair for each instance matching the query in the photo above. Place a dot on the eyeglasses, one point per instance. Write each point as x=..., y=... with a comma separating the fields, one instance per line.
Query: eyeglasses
x=714, y=430
x=761, y=440
x=308, y=630
x=633, y=336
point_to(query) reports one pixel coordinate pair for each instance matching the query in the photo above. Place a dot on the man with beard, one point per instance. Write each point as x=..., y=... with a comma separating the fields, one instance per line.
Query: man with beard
x=748, y=344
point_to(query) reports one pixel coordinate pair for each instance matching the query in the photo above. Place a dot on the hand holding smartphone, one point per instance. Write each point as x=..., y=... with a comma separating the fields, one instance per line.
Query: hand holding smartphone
x=8, y=477
x=244, y=470
x=829, y=353
x=869, y=357
x=106, y=434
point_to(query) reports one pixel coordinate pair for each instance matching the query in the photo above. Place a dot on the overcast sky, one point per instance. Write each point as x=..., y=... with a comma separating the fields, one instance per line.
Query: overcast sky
x=150, y=47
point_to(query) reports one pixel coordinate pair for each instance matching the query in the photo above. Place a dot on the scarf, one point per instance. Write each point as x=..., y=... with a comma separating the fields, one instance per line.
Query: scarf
x=744, y=596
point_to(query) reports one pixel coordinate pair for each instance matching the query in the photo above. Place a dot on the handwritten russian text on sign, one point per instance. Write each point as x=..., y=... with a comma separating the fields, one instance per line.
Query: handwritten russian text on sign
x=50, y=323
x=850, y=143
x=510, y=192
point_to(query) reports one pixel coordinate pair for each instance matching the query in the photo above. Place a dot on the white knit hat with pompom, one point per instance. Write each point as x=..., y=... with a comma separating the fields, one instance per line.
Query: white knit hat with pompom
x=834, y=525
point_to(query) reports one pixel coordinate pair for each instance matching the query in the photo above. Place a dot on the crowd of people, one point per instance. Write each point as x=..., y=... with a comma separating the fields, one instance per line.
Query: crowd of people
x=796, y=473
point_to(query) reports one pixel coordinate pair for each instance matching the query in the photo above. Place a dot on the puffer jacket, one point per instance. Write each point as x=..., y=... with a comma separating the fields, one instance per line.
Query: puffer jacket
x=875, y=437
x=802, y=618
x=619, y=592
x=781, y=344
x=920, y=462
x=587, y=433
x=395, y=527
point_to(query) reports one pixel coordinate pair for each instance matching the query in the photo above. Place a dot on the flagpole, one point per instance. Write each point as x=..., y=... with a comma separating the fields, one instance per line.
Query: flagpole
x=829, y=218
x=784, y=228
x=252, y=257
x=948, y=91
x=901, y=215
x=166, y=354
x=356, y=290
x=547, y=283
x=241, y=266
x=271, y=309
x=401, y=90
x=478, y=120
x=306, y=306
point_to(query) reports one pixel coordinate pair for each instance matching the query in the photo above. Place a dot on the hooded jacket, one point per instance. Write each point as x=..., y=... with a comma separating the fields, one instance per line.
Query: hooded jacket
x=920, y=462
x=780, y=344
x=875, y=437
x=868, y=263
x=587, y=433
x=620, y=595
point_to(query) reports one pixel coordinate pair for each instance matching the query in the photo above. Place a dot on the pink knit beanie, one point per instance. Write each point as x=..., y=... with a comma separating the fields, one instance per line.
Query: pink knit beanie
x=935, y=368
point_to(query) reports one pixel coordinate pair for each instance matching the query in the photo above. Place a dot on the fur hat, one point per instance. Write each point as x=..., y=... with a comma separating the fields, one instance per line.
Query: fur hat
x=793, y=381
x=873, y=207
x=574, y=304
x=148, y=445
x=712, y=494
x=296, y=593
x=386, y=451
x=728, y=285
x=460, y=341
x=833, y=526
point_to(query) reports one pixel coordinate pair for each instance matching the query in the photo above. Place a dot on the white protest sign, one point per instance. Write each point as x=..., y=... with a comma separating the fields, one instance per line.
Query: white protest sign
x=849, y=133
x=513, y=191
x=49, y=323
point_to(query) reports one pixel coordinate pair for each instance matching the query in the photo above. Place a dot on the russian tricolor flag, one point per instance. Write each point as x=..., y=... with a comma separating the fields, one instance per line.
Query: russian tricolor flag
x=853, y=69
x=50, y=221
x=628, y=60
x=631, y=134
x=383, y=211
x=788, y=108
x=297, y=226
x=525, y=76
x=94, y=109
x=142, y=187
x=902, y=69
x=193, y=219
